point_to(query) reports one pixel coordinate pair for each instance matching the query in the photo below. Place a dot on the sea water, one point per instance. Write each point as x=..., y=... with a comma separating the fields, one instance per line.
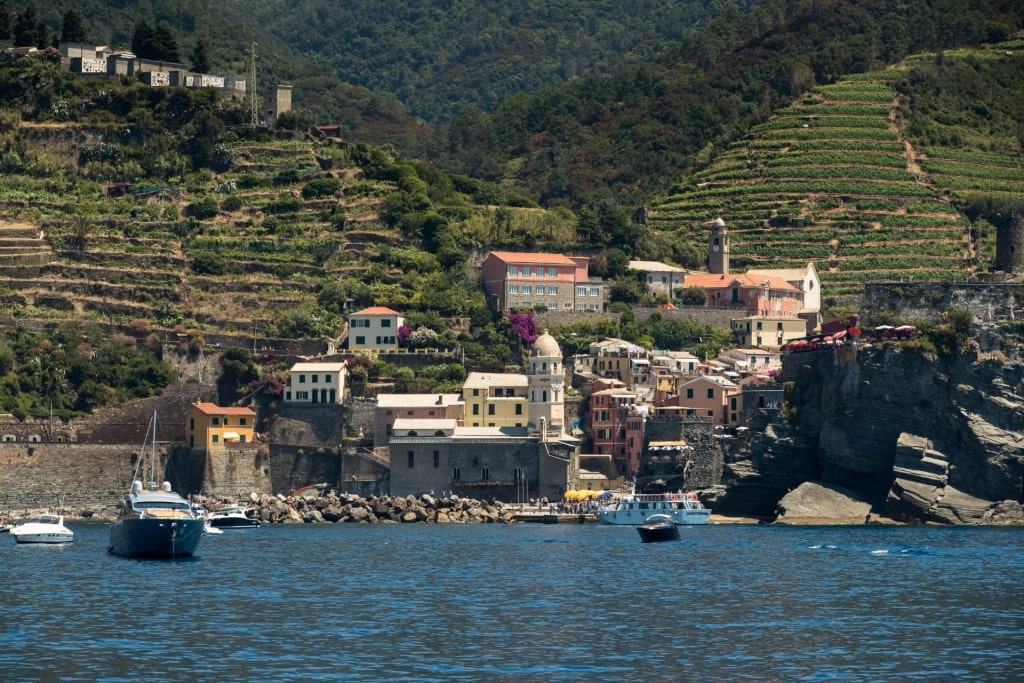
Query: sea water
x=526, y=602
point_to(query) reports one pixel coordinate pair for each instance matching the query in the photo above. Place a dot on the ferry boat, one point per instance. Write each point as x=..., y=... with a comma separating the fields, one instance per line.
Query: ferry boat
x=635, y=508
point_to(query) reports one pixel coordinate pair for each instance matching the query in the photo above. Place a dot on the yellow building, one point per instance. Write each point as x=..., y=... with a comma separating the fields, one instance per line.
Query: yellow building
x=767, y=331
x=495, y=399
x=207, y=425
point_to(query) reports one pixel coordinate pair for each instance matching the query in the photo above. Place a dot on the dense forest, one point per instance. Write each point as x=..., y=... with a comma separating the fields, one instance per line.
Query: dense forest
x=571, y=103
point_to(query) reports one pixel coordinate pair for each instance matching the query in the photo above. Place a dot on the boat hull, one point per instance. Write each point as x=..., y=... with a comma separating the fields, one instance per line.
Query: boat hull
x=44, y=537
x=155, y=537
x=656, y=533
x=635, y=518
x=46, y=529
x=233, y=523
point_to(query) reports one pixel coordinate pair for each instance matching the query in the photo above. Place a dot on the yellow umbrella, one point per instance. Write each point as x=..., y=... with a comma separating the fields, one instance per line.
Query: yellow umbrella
x=572, y=495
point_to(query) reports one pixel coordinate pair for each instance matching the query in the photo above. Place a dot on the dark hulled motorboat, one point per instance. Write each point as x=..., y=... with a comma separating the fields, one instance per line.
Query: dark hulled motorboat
x=658, y=528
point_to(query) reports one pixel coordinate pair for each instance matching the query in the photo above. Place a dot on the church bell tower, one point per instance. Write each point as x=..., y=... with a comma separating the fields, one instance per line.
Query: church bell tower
x=718, y=248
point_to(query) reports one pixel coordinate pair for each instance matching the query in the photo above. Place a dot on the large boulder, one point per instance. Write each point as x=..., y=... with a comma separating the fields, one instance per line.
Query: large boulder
x=819, y=503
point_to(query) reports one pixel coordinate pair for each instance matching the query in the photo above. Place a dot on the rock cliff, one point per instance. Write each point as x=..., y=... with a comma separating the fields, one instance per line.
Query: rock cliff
x=918, y=437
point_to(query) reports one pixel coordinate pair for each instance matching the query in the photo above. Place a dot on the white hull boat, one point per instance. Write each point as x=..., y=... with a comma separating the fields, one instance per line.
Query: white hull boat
x=44, y=529
x=233, y=517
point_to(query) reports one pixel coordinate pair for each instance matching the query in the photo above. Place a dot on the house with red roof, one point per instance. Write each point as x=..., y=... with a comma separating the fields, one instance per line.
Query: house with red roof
x=208, y=425
x=758, y=295
x=523, y=280
x=374, y=329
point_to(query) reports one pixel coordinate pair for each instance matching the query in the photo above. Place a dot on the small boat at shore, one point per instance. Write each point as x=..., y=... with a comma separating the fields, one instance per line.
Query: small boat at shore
x=635, y=508
x=659, y=528
x=233, y=517
x=154, y=522
x=42, y=529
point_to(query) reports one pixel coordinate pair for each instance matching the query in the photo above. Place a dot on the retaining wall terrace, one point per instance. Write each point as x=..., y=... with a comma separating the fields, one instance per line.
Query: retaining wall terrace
x=989, y=302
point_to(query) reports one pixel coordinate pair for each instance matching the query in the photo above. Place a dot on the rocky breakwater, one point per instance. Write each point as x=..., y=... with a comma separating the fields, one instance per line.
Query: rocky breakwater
x=350, y=508
x=892, y=431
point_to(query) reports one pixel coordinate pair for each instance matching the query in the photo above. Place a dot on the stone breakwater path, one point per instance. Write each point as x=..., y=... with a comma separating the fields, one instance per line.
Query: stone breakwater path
x=343, y=507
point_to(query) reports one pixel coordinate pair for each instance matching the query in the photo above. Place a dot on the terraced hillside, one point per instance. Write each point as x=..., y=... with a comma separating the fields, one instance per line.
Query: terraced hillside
x=829, y=180
x=250, y=250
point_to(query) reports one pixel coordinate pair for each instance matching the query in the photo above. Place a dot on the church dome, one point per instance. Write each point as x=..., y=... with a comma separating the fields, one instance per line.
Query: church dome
x=546, y=346
x=718, y=222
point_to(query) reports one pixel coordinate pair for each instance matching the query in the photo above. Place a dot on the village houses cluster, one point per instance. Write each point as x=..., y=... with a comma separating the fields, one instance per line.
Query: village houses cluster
x=512, y=427
x=101, y=61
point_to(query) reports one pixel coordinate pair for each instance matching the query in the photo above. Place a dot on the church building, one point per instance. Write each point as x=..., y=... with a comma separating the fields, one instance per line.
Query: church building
x=507, y=463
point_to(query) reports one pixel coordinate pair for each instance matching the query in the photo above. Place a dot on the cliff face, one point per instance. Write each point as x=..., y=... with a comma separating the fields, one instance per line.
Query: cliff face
x=918, y=437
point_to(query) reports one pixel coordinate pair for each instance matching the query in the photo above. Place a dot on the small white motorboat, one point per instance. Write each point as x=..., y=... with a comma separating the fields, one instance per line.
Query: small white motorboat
x=43, y=529
x=233, y=517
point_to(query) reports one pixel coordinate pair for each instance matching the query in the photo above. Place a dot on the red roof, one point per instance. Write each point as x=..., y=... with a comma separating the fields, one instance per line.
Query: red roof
x=533, y=258
x=377, y=310
x=214, y=409
x=712, y=281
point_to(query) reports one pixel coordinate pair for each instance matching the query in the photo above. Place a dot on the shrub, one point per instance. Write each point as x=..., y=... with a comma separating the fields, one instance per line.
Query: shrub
x=321, y=187
x=232, y=203
x=204, y=208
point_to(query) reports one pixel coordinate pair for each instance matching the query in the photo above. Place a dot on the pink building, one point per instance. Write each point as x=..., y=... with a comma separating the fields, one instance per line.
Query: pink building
x=519, y=280
x=706, y=396
x=757, y=294
x=617, y=425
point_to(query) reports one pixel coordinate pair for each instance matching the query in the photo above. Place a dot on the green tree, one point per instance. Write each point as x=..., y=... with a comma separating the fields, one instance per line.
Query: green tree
x=29, y=31
x=237, y=368
x=693, y=296
x=81, y=228
x=72, y=29
x=5, y=21
x=165, y=44
x=142, y=40
x=200, y=57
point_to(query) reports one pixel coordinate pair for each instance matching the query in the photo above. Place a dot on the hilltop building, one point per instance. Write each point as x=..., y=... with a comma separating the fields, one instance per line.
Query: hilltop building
x=316, y=383
x=374, y=329
x=519, y=280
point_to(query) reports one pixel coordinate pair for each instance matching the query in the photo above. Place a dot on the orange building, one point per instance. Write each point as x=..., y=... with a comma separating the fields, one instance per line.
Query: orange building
x=207, y=425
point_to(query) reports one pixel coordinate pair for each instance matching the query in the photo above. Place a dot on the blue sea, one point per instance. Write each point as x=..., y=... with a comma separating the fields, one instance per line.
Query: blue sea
x=527, y=602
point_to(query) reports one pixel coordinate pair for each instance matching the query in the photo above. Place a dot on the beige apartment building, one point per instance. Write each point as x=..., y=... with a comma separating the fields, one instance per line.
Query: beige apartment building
x=494, y=399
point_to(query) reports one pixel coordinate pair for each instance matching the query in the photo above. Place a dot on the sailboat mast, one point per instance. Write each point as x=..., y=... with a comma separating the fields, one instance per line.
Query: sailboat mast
x=152, y=457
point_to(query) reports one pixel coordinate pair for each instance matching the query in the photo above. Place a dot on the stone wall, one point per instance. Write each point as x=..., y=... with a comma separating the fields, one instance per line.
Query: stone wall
x=715, y=317
x=34, y=476
x=684, y=469
x=988, y=302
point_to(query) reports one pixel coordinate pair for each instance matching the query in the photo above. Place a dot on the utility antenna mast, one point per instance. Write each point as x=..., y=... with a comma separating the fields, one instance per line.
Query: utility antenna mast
x=254, y=110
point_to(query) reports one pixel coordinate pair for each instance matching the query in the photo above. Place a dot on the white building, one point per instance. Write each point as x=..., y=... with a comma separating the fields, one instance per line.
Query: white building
x=661, y=277
x=374, y=329
x=317, y=383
